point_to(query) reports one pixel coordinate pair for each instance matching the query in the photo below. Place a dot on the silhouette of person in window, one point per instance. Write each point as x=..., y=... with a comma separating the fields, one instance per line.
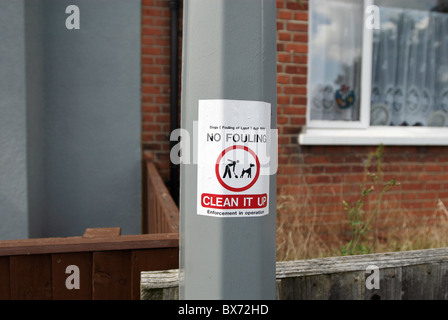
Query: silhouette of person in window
x=228, y=166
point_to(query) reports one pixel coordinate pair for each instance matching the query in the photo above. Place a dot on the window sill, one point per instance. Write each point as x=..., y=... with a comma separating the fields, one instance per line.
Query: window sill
x=392, y=136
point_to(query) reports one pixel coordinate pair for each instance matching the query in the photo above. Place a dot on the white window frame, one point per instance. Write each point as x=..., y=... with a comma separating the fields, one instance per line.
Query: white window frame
x=328, y=132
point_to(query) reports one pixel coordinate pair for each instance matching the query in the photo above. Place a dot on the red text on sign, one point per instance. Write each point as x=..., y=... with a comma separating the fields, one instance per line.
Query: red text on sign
x=222, y=201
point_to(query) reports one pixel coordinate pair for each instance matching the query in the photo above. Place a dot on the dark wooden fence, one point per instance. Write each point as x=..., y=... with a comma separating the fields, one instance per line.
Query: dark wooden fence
x=161, y=212
x=110, y=264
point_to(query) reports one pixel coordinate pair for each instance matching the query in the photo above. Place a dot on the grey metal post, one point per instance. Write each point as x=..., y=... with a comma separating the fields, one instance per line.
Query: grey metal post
x=229, y=53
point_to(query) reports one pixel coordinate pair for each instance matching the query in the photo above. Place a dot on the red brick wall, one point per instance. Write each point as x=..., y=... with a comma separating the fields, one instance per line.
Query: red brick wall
x=323, y=176
x=156, y=81
x=319, y=178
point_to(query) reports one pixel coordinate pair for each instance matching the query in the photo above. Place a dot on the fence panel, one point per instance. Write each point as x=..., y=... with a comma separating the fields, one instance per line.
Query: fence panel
x=162, y=213
x=5, y=293
x=31, y=277
x=112, y=275
x=408, y=275
x=109, y=265
x=151, y=260
x=60, y=262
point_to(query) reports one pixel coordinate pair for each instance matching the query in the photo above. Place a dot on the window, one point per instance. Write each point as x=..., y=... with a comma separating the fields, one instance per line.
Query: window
x=378, y=85
x=335, y=61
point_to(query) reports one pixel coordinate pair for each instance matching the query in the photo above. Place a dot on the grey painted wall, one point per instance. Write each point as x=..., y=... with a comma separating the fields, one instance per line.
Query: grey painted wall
x=35, y=114
x=92, y=117
x=13, y=180
x=70, y=118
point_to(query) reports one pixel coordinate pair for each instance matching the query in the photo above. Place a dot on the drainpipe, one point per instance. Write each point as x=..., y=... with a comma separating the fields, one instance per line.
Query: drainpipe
x=174, y=93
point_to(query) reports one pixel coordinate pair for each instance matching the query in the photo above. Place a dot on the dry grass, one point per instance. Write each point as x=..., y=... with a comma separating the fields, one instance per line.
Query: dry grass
x=302, y=234
x=430, y=232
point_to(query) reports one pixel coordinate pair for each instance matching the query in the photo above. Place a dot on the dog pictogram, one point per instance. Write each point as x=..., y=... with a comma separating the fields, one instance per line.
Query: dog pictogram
x=247, y=171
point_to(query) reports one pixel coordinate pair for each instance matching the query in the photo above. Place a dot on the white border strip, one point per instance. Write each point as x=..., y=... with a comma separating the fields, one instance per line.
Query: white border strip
x=398, y=136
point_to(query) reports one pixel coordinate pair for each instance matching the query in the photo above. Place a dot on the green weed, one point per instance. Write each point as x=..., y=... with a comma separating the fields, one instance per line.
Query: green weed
x=358, y=219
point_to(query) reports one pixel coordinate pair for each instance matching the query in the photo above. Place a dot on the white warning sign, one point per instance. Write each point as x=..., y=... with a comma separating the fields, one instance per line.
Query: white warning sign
x=233, y=158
